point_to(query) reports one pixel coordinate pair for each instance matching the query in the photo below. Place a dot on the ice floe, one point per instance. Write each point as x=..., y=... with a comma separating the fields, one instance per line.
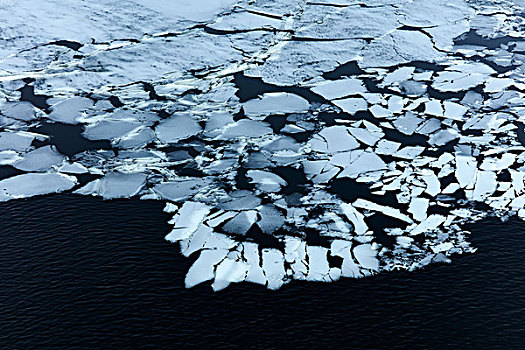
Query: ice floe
x=290, y=140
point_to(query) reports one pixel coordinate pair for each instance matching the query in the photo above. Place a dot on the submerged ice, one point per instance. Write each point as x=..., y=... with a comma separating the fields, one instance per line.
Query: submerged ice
x=290, y=140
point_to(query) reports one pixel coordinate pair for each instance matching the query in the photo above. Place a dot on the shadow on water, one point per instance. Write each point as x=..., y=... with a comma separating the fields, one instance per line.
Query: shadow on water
x=80, y=272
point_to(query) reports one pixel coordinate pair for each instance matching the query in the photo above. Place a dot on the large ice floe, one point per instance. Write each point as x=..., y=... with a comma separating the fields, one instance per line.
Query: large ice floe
x=289, y=139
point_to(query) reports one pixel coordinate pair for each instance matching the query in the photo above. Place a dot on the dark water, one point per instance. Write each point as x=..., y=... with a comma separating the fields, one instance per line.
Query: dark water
x=81, y=273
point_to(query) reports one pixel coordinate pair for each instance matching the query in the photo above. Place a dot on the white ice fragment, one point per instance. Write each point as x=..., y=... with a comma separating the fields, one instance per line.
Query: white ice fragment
x=387, y=147
x=355, y=217
x=333, y=89
x=187, y=220
x=342, y=249
x=295, y=255
x=318, y=267
x=465, y=169
x=333, y=139
x=410, y=152
x=21, y=110
x=245, y=128
x=506, y=160
x=33, y=184
x=197, y=241
x=180, y=189
x=497, y=84
x=361, y=163
x=275, y=103
x=442, y=247
x=115, y=185
x=67, y=111
x=442, y=137
x=365, y=136
x=434, y=107
x=368, y=205
x=41, y=159
x=110, y=129
x=408, y=123
x=176, y=128
x=273, y=267
x=266, y=181
x=485, y=185
x=431, y=223
x=366, y=256
x=418, y=208
x=452, y=188
x=170, y=208
x=454, y=110
x=73, y=168
x=203, y=269
x=351, y=105
x=379, y=111
x=229, y=271
x=16, y=141
x=255, y=272
x=395, y=104
x=399, y=75
x=241, y=223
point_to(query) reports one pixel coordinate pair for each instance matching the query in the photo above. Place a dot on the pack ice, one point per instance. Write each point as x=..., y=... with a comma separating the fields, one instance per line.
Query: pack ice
x=289, y=140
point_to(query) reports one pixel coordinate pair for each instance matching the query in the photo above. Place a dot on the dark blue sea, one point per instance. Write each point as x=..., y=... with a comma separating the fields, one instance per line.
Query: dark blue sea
x=83, y=273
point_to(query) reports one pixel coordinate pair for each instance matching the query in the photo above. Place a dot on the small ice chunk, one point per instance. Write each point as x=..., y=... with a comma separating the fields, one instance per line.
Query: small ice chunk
x=33, y=184
x=266, y=181
x=352, y=105
x=21, y=110
x=180, y=189
x=333, y=139
x=355, y=217
x=364, y=162
x=115, y=185
x=399, y=75
x=229, y=271
x=318, y=267
x=255, y=272
x=197, y=241
x=408, y=123
x=67, y=111
x=342, y=249
x=241, y=223
x=387, y=147
x=366, y=256
x=418, y=208
x=333, y=89
x=275, y=103
x=485, y=185
x=273, y=267
x=434, y=107
x=365, y=136
x=41, y=159
x=393, y=212
x=454, y=110
x=203, y=269
x=497, y=84
x=73, y=168
x=431, y=223
x=176, y=128
x=465, y=169
x=187, y=220
x=110, y=129
x=245, y=128
x=443, y=137
x=380, y=111
x=16, y=141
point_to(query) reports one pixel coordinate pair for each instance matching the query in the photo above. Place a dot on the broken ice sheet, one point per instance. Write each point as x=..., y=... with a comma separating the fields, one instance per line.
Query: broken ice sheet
x=264, y=129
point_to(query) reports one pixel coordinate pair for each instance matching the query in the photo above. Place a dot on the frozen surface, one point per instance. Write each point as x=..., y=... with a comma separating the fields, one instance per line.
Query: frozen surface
x=290, y=140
